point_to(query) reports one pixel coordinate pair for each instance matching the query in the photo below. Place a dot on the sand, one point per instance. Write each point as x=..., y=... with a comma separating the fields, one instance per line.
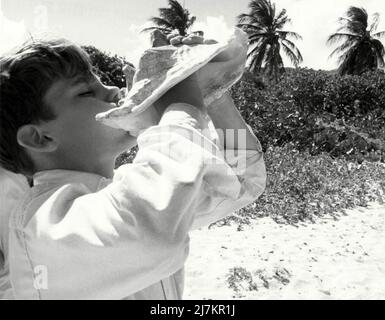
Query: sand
x=328, y=259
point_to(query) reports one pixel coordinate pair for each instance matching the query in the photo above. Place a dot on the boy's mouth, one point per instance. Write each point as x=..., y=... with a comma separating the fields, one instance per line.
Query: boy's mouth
x=117, y=104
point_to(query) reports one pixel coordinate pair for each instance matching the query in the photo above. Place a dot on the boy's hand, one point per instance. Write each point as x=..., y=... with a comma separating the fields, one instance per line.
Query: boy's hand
x=187, y=91
x=129, y=73
x=159, y=39
x=191, y=39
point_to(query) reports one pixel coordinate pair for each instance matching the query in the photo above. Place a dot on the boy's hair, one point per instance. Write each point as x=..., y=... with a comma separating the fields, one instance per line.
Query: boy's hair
x=25, y=76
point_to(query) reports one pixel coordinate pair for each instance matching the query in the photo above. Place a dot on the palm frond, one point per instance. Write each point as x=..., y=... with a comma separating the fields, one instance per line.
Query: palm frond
x=243, y=17
x=258, y=46
x=258, y=57
x=281, y=20
x=379, y=50
x=174, y=17
x=359, y=58
x=337, y=37
x=291, y=54
x=249, y=27
x=346, y=61
x=290, y=34
x=293, y=48
x=342, y=48
x=263, y=11
x=281, y=15
x=162, y=22
x=250, y=18
x=177, y=8
x=168, y=14
x=258, y=35
x=351, y=26
x=358, y=15
x=164, y=30
x=274, y=62
x=256, y=41
x=264, y=24
x=291, y=44
x=379, y=34
x=376, y=20
x=359, y=50
x=191, y=21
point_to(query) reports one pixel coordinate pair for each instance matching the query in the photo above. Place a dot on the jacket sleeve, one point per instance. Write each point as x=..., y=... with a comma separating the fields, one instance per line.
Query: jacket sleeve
x=249, y=168
x=246, y=165
x=13, y=187
x=132, y=233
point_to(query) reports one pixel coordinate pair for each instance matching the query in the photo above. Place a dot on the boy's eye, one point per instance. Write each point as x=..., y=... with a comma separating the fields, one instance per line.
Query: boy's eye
x=86, y=93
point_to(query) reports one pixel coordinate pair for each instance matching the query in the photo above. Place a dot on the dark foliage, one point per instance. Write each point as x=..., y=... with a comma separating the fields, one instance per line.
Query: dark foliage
x=319, y=112
x=301, y=187
x=107, y=66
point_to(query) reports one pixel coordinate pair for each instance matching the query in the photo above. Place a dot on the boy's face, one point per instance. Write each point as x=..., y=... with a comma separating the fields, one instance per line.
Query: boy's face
x=82, y=141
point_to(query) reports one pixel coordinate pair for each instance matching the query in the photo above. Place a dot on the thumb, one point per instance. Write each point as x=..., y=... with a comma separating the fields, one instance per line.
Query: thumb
x=129, y=73
x=158, y=39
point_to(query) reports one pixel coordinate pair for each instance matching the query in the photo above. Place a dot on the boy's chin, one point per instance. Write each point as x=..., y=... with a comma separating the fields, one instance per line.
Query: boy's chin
x=117, y=143
x=128, y=141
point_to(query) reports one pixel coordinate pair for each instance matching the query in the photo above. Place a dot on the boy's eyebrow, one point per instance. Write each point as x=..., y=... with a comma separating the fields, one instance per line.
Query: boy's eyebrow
x=84, y=78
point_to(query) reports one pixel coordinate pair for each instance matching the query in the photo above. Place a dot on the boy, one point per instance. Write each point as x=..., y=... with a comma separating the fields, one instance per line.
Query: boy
x=85, y=231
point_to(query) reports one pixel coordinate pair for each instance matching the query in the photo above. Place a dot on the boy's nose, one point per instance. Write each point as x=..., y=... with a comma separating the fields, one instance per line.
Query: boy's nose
x=113, y=94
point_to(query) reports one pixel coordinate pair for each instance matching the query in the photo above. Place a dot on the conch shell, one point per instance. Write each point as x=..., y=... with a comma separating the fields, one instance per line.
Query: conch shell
x=218, y=67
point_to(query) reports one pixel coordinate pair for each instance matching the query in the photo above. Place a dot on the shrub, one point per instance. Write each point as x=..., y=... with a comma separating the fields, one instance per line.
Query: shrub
x=108, y=67
x=318, y=111
x=126, y=157
x=301, y=186
x=347, y=96
x=240, y=280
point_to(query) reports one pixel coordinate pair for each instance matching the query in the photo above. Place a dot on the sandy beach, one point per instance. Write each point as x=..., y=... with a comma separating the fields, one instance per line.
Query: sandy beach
x=341, y=258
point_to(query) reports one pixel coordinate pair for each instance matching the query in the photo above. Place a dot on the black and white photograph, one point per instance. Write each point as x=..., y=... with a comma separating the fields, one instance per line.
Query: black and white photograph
x=201, y=151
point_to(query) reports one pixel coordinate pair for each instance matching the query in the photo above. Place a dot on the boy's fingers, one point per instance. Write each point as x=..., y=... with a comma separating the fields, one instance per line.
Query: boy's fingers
x=209, y=41
x=193, y=39
x=129, y=73
x=128, y=70
x=123, y=93
x=176, y=40
x=158, y=39
x=171, y=35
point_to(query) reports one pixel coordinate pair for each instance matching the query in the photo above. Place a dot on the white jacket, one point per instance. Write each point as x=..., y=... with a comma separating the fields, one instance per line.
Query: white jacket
x=12, y=188
x=81, y=236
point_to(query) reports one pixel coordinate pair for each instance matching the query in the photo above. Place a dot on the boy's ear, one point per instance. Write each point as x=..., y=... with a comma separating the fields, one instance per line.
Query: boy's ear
x=34, y=138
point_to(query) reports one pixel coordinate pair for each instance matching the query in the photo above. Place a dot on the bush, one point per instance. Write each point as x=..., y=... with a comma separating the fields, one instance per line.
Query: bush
x=318, y=111
x=240, y=280
x=126, y=157
x=301, y=186
x=108, y=67
x=348, y=96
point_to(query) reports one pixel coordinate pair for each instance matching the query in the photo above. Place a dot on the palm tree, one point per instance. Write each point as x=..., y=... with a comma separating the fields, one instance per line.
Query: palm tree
x=267, y=37
x=174, y=18
x=361, y=49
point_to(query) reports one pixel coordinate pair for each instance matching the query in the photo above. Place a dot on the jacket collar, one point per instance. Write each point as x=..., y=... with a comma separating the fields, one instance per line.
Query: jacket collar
x=61, y=177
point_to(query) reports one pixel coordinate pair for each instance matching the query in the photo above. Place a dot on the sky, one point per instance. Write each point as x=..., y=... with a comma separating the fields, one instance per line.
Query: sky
x=114, y=25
